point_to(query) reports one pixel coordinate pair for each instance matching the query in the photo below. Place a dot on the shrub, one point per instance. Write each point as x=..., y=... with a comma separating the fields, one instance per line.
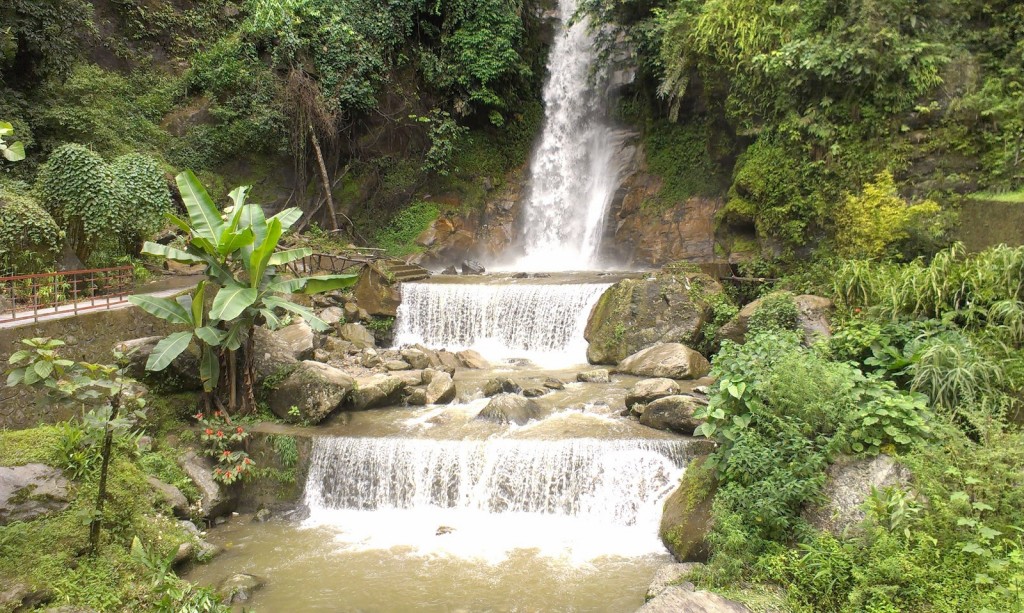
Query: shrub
x=147, y=193
x=30, y=240
x=777, y=311
x=397, y=237
x=871, y=223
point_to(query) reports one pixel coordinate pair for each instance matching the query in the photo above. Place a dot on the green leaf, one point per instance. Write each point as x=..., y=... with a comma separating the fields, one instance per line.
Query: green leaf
x=981, y=506
x=15, y=152
x=314, y=322
x=203, y=213
x=273, y=322
x=707, y=429
x=43, y=368
x=168, y=349
x=959, y=497
x=236, y=334
x=170, y=253
x=209, y=369
x=210, y=335
x=197, y=304
x=230, y=301
x=287, y=218
x=736, y=390
x=328, y=283
x=988, y=533
x=18, y=356
x=164, y=308
x=260, y=258
x=284, y=257
x=233, y=241
x=15, y=377
x=975, y=549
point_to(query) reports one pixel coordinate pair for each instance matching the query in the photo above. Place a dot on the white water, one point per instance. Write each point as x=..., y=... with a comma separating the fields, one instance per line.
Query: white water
x=574, y=498
x=572, y=175
x=543, y=323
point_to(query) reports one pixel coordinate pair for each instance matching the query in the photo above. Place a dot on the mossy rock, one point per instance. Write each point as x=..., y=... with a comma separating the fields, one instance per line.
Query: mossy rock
x=686, y=520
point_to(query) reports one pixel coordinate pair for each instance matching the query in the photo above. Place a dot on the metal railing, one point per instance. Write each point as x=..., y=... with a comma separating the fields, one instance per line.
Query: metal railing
x=44, y=295
x=325, y=263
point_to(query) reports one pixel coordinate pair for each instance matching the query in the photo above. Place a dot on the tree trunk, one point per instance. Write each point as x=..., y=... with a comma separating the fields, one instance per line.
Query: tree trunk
x=232, y=381
x=323, y=177
x=108, y=441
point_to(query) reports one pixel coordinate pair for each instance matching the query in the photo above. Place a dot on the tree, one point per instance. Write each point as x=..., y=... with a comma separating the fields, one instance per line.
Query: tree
x=239, y=247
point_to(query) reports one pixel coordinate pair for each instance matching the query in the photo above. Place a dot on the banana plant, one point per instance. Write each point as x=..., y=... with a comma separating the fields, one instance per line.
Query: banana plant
x=12, y=152
x=240, y=249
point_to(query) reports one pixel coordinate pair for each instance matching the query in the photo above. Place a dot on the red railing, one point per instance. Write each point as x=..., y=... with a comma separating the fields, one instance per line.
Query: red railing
x=49, y=294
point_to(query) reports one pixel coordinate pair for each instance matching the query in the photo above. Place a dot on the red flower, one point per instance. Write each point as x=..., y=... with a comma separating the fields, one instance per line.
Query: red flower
x=226, y=453
x=216, y=413
x=209, y=432
x=220, y=433
x=239, y=429
x=248, y=461
x=198, y=415
x=856, y=310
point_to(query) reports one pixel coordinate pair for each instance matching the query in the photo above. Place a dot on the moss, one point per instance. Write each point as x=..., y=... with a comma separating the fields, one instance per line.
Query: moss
x=18, y=447
x=687, y=516
x=681, y=155
x=397, y=238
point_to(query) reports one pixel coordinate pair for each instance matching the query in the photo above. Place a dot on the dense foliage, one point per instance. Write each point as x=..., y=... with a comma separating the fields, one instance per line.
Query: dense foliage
x=30, y=240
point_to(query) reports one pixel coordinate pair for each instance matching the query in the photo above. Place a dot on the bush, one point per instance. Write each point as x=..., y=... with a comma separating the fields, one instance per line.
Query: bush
x=777, y=312
x=147, y=193
x=30, y=240
x=868, y=225
x=397, y=237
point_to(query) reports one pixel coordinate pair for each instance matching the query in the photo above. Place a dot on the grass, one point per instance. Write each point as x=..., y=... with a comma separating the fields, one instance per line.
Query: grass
x=1016, y=197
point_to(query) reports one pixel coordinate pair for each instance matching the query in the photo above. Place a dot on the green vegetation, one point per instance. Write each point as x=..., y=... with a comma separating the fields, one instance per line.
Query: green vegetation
x=30, y=240
x=397, y=238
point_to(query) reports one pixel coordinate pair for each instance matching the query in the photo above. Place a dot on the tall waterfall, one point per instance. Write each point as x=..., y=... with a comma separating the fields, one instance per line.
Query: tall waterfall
x=572, y=175
x=586, y=496
x=542, y=322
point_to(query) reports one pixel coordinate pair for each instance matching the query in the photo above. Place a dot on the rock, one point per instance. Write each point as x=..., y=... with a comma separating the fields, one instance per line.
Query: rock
x=813, y=315
x=239, y=588
x=393, y=365
x=686, y=519
x=634, y=314
x=472, y=267
x=184, y=552
x=599, y=375
x=670, y=360
x=274, y=349
x=22, y=597
x=417, y=358
x=182, y=374
x=262, y=515
x=335, y=347
x=369, y=358
x=215, y=500
x=31, y=491
x=357, y=335
x=501, y=385
x=376, y=294
x=332, y=315
x=441, y=389
x=679, y=599
x=510, y=408
x=554, y=384
x=669, y=575
x=848, y=485
x=448, y=361
x=410, y=377
x=314, y=388
x=376, y=391
x=650, y=390
x=172, y=496
x=673, y=413
x=471, y=359
x=351, y=311
x=417, y=397
x=535, y=391
x=450, y=270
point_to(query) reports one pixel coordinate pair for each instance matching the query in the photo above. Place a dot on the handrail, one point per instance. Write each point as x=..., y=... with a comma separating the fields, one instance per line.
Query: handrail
x=48, y=294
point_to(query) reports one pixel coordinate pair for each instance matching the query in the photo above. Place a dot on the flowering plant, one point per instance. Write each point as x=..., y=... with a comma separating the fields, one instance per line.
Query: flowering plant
x=222, y=439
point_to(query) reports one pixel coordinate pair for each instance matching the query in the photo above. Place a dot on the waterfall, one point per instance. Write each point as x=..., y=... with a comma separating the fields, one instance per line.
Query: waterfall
x=588, y=496
x=572, y=174
x=542, y=322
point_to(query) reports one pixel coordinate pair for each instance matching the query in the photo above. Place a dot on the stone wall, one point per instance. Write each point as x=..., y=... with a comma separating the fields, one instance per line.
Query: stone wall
x=89, y=337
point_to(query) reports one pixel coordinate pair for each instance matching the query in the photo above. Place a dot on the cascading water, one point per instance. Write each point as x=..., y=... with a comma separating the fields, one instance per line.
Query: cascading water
x=573, y=497
x=541, y=322
x=572, y=174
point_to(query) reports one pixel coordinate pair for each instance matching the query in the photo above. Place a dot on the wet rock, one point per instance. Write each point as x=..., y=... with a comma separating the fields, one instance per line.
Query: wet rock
x=510, y=408
x=262, y=515
x=410, y=377
x=472, y=267
x=376, y=391
x=813, y=318
x=275, y=349
x=849, y=483
x=686, y=519
x=31, y=491
x=599, y=375
x=673, y=413
x=650, y=390
x=441, y=389
x=521, y=275
x=669, y=360
x=635, y=314
x=314, y=388
x=471, y=359
x=215, y=499
x=670, y=575
x=448, y=361
x=450, y=270
x=417, y=358
x=393, y=365
x=417, y=397
x=184, y=552
x=172, y=496
x=357, y=335
x=501, y=385
x=535, y=391
x=678, y=599
x=332, y=315
x=554, y=384
x=239, y=588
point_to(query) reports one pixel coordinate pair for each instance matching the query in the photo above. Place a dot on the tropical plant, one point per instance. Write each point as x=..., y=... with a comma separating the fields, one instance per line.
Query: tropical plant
x=239, y=247
x=12, y=152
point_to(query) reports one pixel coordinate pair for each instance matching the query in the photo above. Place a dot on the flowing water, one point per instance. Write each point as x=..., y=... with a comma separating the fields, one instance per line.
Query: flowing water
x=572, y=174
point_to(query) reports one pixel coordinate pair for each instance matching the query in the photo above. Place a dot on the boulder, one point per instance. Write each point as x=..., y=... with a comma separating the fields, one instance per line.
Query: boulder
x=670, y=575
x=448, y=361
x=31, y=491
x=535, y=391
x=369, y=358
x=599, y=375
x=214, y=499
x=848, y=485
x=332, y=315
x=501, y=385
x=351, y=311
x=376, y=294
x=441, y=389
x=679, y=599
x=418, y=358
x=417, y=397
x=673, y=413
x=471, y=359
x=634, y=314
x=411, y=377
x=23, y=597
x=554, y=384
x=182, y=374
x=335, y=346
x=358, y=335
x=472, y=267
x=669, y=360
x=395, y=365
x=686, y=518
x=376, y=391
x=450, y=270
x=649, y=390
x=510, y=408
x=172, y=496
x=239, y=588
x=813, y=316
x=275, y=349
x=314, y=388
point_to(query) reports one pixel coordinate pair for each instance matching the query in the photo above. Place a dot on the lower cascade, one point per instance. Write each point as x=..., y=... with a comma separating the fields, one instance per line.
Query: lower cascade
x=484, y=498
x=542, y=322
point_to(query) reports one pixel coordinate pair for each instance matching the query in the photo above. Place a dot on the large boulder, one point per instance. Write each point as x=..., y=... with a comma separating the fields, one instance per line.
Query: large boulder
x=239, y=588
x=314, y=389
x=510, y=408
x=671, y=575
x=599, y=375
x=376, y=391
x=668, y=360
x=376, y=294
x=418, y=358
x=274, y=350
x=848, y=485
x=686, y=518
x=357, y=335
x=634, y=314
x=650, y=390
x=215, y=499
x=182, y=374
x=501, y=385
x=441, y=389
x=31, y=491
x=813, y=317
x=471, y=359
x=172, y=496
x=673, y=413
x=679, y=599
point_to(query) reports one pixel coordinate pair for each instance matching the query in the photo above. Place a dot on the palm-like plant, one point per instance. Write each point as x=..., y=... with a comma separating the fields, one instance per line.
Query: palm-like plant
x=239, y=247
